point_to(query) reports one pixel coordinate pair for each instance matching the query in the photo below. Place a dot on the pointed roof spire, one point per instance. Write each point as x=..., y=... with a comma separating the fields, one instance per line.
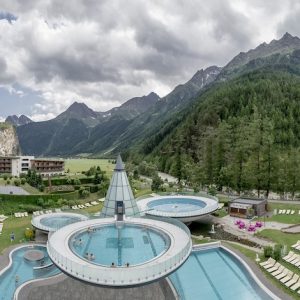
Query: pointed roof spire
x=119, y=190
x=119, y=164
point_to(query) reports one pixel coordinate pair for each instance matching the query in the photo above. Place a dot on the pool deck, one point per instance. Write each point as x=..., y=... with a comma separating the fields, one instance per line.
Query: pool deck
x=63, y=287
x=260, y=275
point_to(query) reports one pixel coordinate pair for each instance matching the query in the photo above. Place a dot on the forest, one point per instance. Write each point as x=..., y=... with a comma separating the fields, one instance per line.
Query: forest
x=241, y=135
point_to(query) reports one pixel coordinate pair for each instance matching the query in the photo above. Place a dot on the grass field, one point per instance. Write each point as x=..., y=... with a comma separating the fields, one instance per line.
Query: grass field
x=78, y=165
x=279, y=237
x=17, y=226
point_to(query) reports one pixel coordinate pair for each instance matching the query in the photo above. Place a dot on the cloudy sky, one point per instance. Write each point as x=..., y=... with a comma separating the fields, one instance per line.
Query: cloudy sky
x=103, y=53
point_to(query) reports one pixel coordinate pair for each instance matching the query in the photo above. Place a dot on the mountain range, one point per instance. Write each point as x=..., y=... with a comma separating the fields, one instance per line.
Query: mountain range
x=18, y=121
x=142, y=123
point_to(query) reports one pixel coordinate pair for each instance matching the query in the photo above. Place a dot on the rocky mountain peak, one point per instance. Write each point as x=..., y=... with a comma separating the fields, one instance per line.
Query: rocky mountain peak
x=18, y=121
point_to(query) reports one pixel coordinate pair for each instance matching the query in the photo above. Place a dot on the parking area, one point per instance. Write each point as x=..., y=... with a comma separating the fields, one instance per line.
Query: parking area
x=13, y=190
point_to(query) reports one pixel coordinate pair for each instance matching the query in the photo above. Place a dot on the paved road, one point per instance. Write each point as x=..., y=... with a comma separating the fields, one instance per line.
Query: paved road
x=11, y=189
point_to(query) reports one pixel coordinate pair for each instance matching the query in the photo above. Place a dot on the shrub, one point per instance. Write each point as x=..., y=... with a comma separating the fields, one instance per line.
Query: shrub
x=23, y=181
x=17, y=182
x=5, y=177
x=29, y=234
x=85, y=194
x=277, y=252
x=268, y=251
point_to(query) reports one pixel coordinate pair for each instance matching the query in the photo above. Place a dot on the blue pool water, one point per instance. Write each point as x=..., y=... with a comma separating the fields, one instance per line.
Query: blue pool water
x=24, y=270
x=132, y=244
x=215, y=274
x=176, y=204
x=57, y=222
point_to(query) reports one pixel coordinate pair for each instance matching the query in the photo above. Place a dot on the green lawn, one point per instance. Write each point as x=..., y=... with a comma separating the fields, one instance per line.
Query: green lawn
x=84, y=164
x=279, y=237
x=287, y=219
x=16, y=225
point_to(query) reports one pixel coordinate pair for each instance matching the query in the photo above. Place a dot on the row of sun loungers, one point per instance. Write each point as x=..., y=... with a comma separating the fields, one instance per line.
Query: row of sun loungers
x=21, y=214
x=281, y=273
x=80, y=206
x=50, y=211
x=287, y=212
x=293, y=258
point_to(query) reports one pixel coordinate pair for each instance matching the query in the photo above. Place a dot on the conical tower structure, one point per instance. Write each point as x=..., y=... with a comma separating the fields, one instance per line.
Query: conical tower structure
x=119, y=190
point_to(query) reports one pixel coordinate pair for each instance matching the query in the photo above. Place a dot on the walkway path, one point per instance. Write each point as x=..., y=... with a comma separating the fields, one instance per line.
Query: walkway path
x=229, y=226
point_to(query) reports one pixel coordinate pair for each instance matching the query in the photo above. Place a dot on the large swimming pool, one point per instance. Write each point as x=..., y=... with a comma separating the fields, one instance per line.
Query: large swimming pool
x=22, y=270
x=109, y=244
x=215, y=274
x=176, y=204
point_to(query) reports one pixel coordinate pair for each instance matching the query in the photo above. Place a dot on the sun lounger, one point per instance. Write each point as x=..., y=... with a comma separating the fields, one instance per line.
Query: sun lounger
x=292, y=212
x=271, y=264
x=293, y=257
x=296, y=285
x=81, y=206
x=280, y=211
x=292, y=281
x=41, y=212
x=287, y=277
x=57, y=210
x=94, y=203
x=101, y=200
x=299, y=212
x=283, y=211
x=274, y=268
x=280, y=269
x=290, y=254
x=282, y=274
x=267, y=262
x=295, y=245
x=295, y=261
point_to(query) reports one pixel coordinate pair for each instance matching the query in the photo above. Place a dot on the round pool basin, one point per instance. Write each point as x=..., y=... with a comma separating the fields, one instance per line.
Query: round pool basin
x=129, y=253
x=54, y=221
x=184, y=208
x=119, y=246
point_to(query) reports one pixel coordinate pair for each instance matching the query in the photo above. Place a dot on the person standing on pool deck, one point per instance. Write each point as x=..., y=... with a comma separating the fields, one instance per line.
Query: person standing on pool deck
x=12, y=237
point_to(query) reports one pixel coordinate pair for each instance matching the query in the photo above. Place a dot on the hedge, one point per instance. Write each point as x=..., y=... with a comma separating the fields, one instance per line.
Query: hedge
x=63, y=181
x=32, y=199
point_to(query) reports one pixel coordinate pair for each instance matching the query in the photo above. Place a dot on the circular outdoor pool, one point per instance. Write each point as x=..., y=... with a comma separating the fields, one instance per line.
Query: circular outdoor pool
x=120, y=253
x=54, y=221
x=124, y=246
x=185, y=208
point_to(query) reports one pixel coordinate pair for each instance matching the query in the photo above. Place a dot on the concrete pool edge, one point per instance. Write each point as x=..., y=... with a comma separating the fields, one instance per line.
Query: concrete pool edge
x=163, y=265
x=212, y=204
x=254, y=271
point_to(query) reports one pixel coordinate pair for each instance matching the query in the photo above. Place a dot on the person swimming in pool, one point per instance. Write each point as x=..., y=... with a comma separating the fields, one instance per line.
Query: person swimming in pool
x=17, y=278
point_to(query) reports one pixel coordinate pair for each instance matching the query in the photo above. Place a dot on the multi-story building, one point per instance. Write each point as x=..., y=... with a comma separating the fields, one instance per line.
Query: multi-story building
x=16, y=165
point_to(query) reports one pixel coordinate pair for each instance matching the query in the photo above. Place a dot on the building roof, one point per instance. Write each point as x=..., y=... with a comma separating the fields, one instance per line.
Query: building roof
x=250, y=201
x=119, y=190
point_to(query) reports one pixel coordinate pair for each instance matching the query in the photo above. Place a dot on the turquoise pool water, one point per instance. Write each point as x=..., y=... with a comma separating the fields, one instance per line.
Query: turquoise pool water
x=215, y=274
x=131, y=244
x=176, y=204
x=57, y=222
x=23, y=269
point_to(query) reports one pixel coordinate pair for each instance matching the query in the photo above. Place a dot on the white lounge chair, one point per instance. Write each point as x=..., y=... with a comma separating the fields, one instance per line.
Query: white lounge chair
x=292, y=212
x=271, y=264
x=293, y=257
x=292, y=281
x=295, y=245
x=287, y=277
x=267, y=262
x=288, y=211
x=295, y=261
x=289, y=255
x=295, y=286
x=277, y=272
x=282, y=274
x=274, y=268
x=283, y=212
x=58, y=210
